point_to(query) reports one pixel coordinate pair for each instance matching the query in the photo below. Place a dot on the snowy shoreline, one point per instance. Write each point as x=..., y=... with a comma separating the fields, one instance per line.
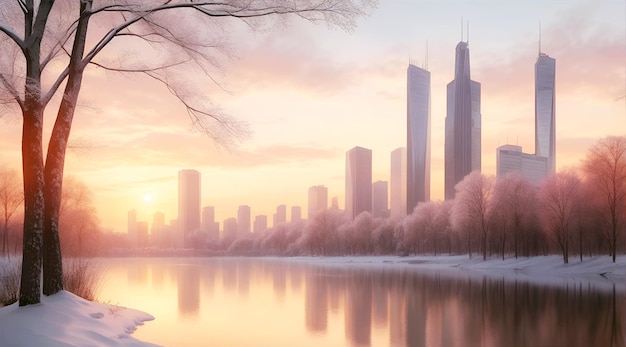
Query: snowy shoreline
x=598, y=271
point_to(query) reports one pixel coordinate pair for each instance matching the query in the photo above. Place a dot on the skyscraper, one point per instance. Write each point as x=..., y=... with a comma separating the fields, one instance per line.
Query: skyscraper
x=545, y=138
x=260, y=224
x=398, y=184
x=243, y=221
x=418, y=136
x=510, y=158
x=358, y=181
x=318, y=200
x=463, y=140
x=380, y=199
x=281, y=215
x=188, y=205
x=296, y=213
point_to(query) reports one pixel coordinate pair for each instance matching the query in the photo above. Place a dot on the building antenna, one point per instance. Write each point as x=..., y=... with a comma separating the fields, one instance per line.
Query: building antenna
x=467, y=38
x=461, y=28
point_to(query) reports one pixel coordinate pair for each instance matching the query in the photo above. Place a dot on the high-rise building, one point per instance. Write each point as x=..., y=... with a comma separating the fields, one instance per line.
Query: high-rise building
x=418, y=136
x=243, y=221
x=230, y=228
x=358, y=181
x=260, y=224
x=380, y=199
x=281, y=215
x=318, y=200
x=209, y=225
x=296, y=214
x=510, y=158
x=545, y=138
x=132, y=227
x=398, y=183
x=157, y=229
x=463, y=123
x=188, y=205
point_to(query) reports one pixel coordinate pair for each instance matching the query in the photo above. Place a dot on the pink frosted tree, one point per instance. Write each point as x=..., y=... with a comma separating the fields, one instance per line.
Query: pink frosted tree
x=513, y=209
x=471, y=210
x=605, y=168
x=559, y=197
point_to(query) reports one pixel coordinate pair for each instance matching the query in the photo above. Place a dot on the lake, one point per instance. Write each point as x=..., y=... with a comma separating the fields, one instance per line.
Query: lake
x=279, y=302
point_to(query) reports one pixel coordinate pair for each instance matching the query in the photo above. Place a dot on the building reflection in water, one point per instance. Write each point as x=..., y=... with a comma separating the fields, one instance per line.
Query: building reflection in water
x=391, y=306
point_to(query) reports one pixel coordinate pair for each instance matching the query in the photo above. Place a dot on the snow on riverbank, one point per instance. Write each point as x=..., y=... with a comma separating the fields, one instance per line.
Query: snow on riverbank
x=65, y=319
x=598, y=271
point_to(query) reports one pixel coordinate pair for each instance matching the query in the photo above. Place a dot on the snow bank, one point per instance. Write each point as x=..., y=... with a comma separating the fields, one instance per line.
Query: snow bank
x=598, y=271
x=65, y=319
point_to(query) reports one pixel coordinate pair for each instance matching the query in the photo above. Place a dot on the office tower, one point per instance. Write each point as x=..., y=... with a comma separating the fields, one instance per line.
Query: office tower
x=418, y=136
x=132, y=227
x=296, y=214
x=243, y=221
x=230, y=228
x=380, y=194
x=318, y=200
x=545, y=138
x=260, y=224
x=510, y=158
x=462, y=144
x=209, y=225
x=358, y=181
x=281, y=215
x=188, y=205
x=398, y=183
x=157, y=229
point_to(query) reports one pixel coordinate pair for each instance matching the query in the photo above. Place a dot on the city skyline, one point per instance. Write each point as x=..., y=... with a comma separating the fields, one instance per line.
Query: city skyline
x=334, y=90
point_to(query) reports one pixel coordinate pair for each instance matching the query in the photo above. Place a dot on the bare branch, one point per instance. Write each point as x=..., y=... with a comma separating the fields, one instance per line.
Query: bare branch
x=13, y=36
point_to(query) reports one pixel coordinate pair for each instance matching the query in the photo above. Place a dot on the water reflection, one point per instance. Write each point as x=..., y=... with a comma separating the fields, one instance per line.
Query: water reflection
x=261, y=302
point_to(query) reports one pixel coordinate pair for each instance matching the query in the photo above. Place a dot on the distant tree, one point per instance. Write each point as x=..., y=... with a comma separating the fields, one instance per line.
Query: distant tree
x=605, y=168
x=471, y=208
x=559, y=197
x=49, y=45
x=513, y=207
x=357, y=235
x=79, y=228
x=321, y=232
x=11, y=198
x=418, y=227
x=441, y=223
x=383, y=237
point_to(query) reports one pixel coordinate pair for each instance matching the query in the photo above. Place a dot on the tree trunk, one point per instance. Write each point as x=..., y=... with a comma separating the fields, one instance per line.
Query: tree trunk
x=32, y=167
x=55, y=160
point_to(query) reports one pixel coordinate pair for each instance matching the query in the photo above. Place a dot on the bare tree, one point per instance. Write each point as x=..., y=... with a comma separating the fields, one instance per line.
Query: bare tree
x=513, y=207
x=48, y=46
x=605, y=167
x=559, y=199
x=471, y=208
x=11, y=198
x=78, y=220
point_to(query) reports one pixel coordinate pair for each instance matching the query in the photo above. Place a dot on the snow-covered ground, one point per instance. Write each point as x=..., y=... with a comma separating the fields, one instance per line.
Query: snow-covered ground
x=598, y=271
x=67, y=320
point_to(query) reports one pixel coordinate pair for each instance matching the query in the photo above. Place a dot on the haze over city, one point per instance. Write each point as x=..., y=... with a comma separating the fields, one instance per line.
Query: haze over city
x=310, y=94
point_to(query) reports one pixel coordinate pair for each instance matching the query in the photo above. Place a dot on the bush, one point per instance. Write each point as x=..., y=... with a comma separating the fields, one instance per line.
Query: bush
x=10, y=282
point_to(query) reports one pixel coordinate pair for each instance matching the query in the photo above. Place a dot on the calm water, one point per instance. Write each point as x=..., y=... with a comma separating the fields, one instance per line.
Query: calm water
x=265, y=302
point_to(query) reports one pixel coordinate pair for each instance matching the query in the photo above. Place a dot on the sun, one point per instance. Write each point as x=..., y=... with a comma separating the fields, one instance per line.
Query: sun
x=147, y=197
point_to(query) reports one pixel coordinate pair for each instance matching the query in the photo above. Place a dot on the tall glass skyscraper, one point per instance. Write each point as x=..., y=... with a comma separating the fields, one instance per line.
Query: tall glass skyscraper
x=397, y=184
x=463, y=139
x=358, y=181
x=188, y=205
x=545, y=138
x=418, y=136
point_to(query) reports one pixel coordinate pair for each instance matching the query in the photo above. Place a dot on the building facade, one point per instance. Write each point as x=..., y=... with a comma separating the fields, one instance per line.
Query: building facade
x=545, y=130
x=463, y=123
x=260, y=224
x=318, y=200
x=510, y=158
x=418, y=137
x=398, y=183
x=358, y=181
x=380, y=199
x=243, y=221
x=188, y=206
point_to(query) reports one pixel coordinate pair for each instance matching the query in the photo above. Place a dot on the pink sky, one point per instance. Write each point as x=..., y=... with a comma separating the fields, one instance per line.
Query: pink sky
x=309, y=94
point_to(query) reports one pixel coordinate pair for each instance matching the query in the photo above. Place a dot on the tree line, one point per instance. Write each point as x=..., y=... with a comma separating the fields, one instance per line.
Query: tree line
x=577, y=211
